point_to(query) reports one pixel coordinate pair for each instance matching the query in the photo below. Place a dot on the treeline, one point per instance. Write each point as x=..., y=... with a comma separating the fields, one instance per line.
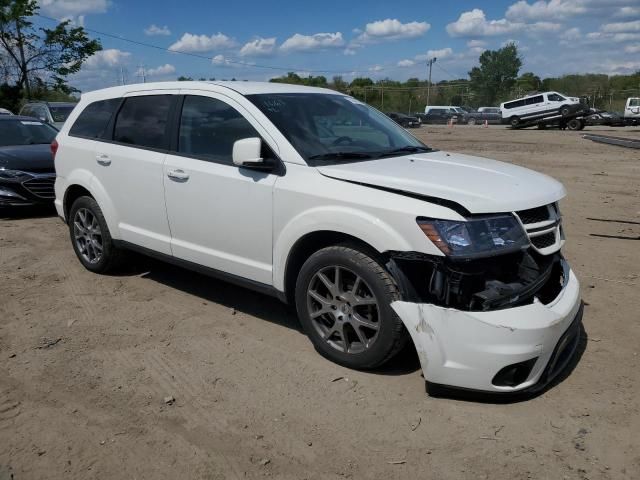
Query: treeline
x=602, y=91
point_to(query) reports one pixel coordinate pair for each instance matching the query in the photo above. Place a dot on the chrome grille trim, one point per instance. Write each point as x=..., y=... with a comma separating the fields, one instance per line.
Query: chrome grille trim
x=544, y=228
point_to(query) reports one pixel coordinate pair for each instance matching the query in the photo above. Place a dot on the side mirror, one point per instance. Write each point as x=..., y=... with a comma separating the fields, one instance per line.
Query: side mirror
x=246, y=153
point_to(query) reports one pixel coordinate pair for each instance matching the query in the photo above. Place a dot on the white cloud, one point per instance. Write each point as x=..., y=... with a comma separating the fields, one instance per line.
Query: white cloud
x=632, y=48
x=202, y=43
x=621, y=27
x=73, y=8
x=476, y=43
x=349, y=51
x=406, y=63
x=153, y=29
x=109, y=58
x=475, y=24
x=376, y=68
x=220, y=60
x=440, y=54
x=307, y=43
x=545, y=10
x=571, y=35
x=392, y=29
x=165, y=69
x=627, y=12
x=604, y=37
x=258, y=47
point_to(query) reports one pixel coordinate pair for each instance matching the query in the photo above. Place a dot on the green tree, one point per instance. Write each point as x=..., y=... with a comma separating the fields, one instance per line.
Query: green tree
x=50, y=55
x=528, y=82
x=496, y=74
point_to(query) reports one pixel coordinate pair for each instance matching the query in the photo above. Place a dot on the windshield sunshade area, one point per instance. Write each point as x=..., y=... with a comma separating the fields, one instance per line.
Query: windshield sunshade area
x=25, y=132
x=335, y=128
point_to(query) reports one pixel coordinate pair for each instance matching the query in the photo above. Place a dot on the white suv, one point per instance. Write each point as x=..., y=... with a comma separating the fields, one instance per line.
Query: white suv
x=318, y=199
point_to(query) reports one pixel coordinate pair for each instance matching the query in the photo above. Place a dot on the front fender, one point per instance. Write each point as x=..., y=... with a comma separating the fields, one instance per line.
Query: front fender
x=356, y=223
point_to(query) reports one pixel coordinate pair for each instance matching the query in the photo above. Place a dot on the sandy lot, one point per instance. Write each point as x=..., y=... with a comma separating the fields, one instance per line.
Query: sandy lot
x=86, y=361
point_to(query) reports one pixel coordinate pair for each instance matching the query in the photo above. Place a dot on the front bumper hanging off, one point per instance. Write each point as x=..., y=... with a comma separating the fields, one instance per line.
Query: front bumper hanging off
x=507, y=350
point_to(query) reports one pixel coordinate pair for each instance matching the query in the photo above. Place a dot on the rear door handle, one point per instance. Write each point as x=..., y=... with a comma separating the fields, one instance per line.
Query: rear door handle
x=103, y=159
x=178, y=174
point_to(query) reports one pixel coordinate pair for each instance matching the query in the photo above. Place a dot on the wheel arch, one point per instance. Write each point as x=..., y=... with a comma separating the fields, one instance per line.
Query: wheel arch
x=306, y=246
x=85, y=185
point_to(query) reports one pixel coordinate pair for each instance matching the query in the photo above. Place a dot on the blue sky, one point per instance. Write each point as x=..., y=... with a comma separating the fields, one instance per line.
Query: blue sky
x=357, y=38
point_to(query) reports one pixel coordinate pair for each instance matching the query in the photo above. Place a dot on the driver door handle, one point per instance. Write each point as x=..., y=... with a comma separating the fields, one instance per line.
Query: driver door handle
x=103, y=159
x=178, y=174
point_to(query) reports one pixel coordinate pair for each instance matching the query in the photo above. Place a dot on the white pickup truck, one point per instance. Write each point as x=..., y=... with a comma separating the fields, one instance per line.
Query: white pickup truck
x=632, y=111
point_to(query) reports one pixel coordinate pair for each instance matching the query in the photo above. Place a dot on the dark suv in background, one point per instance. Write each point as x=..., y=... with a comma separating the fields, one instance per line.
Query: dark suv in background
x=54, y=113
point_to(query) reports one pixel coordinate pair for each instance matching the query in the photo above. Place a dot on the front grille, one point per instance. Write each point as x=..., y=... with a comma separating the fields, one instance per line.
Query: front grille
x=41, y=187
x=534, y=215
x=544, y=241
x=545, y=220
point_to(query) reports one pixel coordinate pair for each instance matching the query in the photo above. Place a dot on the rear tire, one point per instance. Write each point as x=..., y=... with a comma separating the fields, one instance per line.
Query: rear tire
x=91, y=239
x=343, y=299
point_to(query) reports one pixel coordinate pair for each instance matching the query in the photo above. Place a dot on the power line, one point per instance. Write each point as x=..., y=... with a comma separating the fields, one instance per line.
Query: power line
x=441, y=68
x=205, y=57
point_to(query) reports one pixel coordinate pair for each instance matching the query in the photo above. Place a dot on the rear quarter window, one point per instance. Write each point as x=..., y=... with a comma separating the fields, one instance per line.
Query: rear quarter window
x=142, y=121
x=94, y=119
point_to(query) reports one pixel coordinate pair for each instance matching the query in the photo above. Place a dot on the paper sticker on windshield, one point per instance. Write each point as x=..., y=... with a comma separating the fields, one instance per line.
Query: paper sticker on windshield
x=28, y=122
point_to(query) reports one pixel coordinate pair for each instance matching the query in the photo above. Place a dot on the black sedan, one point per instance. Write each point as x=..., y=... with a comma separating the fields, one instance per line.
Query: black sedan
x=27, y=174
x=610, y=119
x=404, y=120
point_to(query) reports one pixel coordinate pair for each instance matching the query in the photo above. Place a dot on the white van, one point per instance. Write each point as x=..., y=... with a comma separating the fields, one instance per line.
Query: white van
x=540, y=107
x=316, y=198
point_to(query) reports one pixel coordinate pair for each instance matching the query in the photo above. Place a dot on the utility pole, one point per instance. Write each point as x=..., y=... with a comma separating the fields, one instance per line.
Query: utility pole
x=431, y=62
x=122, y=75
x=142, y=73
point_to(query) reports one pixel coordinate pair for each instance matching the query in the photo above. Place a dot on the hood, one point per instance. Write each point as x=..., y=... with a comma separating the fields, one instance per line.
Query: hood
x=28, y=158
x=478, y=184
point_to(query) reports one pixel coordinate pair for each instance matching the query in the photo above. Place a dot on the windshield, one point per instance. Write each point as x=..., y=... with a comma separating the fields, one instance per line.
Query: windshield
x=328, y=128
x=25, y=132
x=60, y=114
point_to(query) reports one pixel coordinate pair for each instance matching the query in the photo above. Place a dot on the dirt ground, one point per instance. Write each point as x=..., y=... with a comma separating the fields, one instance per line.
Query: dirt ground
x=86, y=361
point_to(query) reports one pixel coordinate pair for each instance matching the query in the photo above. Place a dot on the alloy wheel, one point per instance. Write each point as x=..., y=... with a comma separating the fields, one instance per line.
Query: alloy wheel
x=87, y=235
x=343, y=309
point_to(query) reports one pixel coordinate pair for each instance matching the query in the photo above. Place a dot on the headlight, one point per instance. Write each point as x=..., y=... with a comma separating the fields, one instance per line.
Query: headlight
x=10, y=174
x=476, y=237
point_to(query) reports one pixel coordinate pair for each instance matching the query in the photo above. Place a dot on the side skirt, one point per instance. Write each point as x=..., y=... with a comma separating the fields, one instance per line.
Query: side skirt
x=209, y=272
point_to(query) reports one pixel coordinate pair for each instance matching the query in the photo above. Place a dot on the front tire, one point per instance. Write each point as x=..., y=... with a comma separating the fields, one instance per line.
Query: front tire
x=514, y=122
x=343, y=299
x=91, y=238
x=564, y=111
x=471, y=121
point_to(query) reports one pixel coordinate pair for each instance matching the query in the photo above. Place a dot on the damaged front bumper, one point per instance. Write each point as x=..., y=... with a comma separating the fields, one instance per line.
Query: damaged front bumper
x=505, y=350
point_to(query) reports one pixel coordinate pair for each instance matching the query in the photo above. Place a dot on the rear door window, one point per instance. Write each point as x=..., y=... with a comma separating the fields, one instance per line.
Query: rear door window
x=142, y=121
x=93, y=121
x=209, y=128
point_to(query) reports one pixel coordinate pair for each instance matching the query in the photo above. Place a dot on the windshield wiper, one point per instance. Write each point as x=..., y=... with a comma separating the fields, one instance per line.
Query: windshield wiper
x=405, y=149
x=340, y=156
